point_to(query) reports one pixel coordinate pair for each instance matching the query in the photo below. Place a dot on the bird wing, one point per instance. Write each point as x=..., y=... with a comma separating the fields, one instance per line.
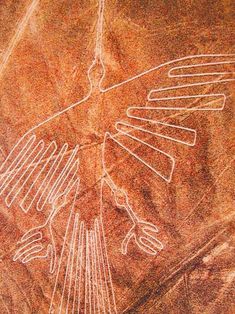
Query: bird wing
x=35, y=174
x=191, y=84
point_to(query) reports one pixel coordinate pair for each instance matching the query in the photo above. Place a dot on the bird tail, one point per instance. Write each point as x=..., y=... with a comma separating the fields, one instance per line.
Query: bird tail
x=83, y=281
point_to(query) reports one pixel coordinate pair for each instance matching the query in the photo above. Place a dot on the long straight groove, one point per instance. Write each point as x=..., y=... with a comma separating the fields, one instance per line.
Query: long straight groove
x=86, y=274
x=78, y=262
x=51, y=310
x=89, y=274
x=81, y=266
x=100, y=285
x=103, y=265
x=109, y=272
x=92, y=274
x=72, y=262
x=67, y=269
x=17, y=36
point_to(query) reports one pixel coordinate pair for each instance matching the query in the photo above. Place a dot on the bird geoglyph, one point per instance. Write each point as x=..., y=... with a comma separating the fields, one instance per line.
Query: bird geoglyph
x=45, y=166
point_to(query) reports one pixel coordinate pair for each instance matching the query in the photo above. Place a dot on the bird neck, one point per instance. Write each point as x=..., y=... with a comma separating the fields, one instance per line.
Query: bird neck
x=96, y=71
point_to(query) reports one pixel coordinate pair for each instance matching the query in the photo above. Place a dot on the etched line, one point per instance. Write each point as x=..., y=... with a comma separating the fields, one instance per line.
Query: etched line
x=17, y=36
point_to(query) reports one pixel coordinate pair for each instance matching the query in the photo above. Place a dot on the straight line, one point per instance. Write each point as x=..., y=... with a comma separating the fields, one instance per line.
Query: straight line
x=17, y=36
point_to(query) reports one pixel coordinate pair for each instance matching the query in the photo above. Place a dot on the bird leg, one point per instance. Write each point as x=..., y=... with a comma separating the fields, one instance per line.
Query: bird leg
x=121, y=199
x=143, y=232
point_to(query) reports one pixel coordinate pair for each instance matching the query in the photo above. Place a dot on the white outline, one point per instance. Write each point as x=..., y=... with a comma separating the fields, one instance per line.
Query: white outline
x=87, y=283
x=17, y=36
x=88, y=254
x=29, y=239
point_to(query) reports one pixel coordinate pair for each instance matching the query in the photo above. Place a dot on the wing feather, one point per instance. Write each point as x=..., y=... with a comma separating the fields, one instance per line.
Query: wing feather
x=195, y=83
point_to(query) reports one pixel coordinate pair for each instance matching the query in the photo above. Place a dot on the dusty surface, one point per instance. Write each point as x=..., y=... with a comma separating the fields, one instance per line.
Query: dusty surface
x=44, y=68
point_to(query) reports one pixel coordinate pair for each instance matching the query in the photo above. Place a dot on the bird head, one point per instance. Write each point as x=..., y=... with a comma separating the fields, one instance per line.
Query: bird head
x=96, y=73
